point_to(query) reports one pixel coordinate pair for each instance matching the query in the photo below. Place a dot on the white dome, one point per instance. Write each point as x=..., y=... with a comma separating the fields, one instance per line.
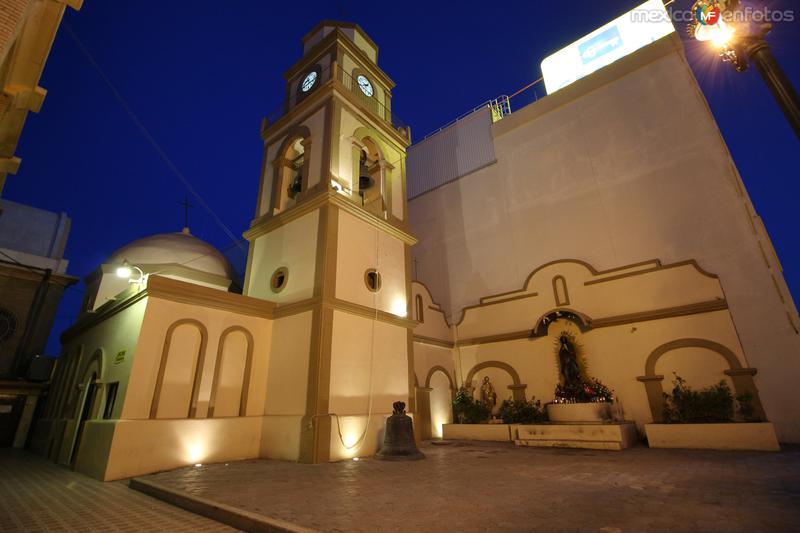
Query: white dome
x=174, y=249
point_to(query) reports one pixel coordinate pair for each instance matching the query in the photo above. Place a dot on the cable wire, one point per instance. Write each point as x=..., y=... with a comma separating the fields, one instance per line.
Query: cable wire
x=146, y=133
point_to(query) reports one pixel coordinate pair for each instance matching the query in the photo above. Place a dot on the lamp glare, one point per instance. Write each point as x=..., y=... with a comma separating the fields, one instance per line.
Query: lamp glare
x=124, y=272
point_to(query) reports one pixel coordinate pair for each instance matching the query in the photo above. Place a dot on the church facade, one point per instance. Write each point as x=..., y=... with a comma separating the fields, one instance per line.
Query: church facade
x=563, y=216
x=613, y=210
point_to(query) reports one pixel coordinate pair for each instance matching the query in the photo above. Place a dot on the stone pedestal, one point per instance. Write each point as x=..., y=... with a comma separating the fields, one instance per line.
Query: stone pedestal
x=579, y=413
x=595, y=436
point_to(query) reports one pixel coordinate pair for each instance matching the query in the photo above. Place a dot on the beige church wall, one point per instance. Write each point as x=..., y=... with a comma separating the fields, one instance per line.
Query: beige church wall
x=92, y=457
x=287, y=386
x=287, y=380
x=648, y=287
x=362, y=247
x=615, y=355
x=144, y=446
x=361, y=435
x=280, y=437
x=369, y=365
x=432, y=324
x=189, y=322
x=577, y=177
x=293, y=246
x=427, y=357
x=369, y=372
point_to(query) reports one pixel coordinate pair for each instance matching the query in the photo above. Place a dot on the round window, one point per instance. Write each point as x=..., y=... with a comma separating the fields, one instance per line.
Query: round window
x=373, y=280
x=8, y=324
x=279, y=279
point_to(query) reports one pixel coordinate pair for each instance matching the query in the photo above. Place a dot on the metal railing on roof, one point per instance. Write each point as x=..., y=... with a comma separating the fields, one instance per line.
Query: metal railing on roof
x=499, y=107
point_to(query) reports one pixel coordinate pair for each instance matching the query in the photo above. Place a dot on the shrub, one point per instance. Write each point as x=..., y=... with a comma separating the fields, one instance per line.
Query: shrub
x=467, y=410
x=688, y=406
x=522, y=412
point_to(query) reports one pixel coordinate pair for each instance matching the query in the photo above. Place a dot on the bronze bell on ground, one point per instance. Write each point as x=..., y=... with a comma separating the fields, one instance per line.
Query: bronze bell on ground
x=399, y=443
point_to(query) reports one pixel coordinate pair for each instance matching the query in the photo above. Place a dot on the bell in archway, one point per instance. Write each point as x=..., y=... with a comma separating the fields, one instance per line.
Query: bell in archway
x=365, y=181
x=296, y=185
x=399, y=443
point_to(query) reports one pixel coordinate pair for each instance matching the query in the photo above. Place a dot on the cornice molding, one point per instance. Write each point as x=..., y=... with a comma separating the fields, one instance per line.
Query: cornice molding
x=175, y=291
x=338, y=304
x=268, y=222
x=433, y=342
x=630, y=318
x=189, y=293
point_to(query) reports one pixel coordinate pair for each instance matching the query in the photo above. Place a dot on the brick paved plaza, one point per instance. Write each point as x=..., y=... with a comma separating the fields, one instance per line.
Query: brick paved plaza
x=473, y=487
x=36, y=495
x=459, y=487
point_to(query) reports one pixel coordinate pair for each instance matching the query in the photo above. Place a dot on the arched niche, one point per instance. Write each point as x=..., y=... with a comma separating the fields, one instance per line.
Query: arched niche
x=180, y=369
x=231, y=381
x=581, y=320
x=443, y=370
x=517, y=387
x=742, y=378
x=292, y=162
x=440, y=392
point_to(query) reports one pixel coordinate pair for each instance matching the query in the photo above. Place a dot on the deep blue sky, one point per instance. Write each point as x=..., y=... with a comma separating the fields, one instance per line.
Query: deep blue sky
x=201, y=74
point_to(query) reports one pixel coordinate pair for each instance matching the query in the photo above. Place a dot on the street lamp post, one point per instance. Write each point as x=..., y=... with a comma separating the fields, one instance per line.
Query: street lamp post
x=742, y=43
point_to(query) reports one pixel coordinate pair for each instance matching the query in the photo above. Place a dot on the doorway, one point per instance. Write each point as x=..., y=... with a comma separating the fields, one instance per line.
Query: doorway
x=86, y=413
x=11, y=406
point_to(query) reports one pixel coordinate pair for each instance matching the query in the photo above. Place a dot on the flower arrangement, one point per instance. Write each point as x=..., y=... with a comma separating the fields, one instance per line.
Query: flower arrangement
x=586, y=391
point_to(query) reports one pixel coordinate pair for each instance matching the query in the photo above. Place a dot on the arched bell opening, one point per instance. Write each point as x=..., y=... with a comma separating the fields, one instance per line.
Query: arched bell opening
x=291, y=170
x=371, y=172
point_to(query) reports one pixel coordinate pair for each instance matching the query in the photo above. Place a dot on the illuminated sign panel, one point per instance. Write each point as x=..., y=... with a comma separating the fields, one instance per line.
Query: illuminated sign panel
x=620, y=37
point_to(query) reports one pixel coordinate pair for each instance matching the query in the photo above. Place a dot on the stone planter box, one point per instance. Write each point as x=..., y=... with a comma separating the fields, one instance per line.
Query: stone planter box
x=487, y=432
x=579, y=413
x=613, y=436
x=731, y=436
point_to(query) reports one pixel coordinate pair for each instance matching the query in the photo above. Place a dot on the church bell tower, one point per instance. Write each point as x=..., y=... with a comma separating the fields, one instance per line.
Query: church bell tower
x=330, y=245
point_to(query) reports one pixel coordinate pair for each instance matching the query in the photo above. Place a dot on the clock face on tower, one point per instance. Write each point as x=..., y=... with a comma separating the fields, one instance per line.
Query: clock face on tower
x=309, y=81
x=364, y=85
